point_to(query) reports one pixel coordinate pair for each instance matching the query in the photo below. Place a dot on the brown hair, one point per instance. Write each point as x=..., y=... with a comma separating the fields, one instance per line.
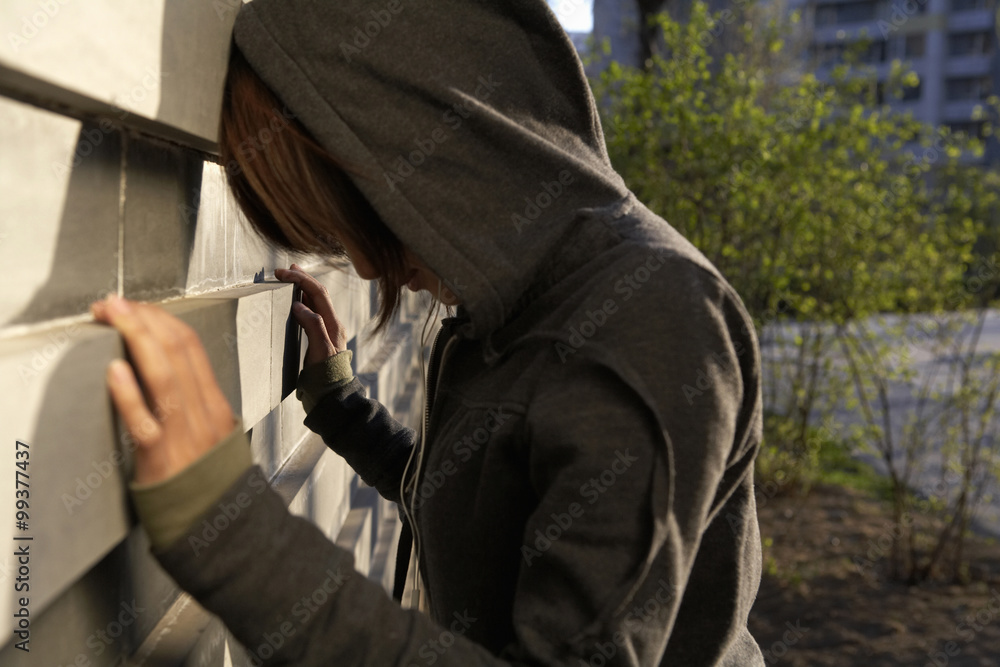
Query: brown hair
x=295, y=194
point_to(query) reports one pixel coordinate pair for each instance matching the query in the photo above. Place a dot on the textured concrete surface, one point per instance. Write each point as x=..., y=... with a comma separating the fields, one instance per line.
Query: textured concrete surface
x=225, y=250
x=75, y=465
x=384, y=372
x=161, y=61
x=59, y=182
x=104, y=615
x=324, y=497
x=160, y=182
x=355, y=536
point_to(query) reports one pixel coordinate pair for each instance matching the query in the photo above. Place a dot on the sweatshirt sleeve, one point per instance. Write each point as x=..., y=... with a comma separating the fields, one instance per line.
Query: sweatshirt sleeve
x=291, y=596
x=318, y=379
x=169, y=507
x=361, y=430
x=610, y=534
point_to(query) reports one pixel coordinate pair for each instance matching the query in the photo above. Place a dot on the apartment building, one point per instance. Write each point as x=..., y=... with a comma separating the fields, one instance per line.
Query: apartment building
x=950, y=44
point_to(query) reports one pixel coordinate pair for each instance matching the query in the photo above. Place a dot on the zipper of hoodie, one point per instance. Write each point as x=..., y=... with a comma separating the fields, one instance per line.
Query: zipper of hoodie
x=433, y=370
x=433, y=362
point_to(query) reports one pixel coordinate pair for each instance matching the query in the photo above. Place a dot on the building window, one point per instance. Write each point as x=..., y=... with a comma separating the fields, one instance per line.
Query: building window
x=872, y=93
x=914, y=46
x=875, y=53
x=832, y=53
x=846, y=12
x=973, y=128
x=904, y=6
x=968, y=5
x=912, y=94
x=968, y=88
x=828, y=54
x=970, y=43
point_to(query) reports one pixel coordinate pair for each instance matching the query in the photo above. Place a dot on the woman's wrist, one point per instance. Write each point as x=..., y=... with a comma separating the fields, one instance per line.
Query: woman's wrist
x=167, y=508
x=318, y=379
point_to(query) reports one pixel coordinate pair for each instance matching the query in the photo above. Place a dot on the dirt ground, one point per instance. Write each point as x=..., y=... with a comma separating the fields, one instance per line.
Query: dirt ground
x=824, y=598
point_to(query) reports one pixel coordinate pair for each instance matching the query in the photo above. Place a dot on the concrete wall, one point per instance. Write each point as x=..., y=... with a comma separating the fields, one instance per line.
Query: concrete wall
x=108, y=118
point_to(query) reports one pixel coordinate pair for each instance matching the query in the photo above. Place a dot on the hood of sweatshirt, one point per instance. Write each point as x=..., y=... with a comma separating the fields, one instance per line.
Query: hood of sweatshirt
x=473, y=123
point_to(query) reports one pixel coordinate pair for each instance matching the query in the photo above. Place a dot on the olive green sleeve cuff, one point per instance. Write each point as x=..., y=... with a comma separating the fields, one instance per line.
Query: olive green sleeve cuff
x=169, y=507
x=320, y=378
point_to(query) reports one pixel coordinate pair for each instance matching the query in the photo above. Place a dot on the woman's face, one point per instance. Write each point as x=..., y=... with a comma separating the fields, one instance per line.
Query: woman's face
x=420, y=275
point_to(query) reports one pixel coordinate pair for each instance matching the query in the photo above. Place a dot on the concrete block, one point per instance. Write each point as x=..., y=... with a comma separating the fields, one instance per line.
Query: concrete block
x=226, y=251
x=302, y=479
x=356, y=536
x=408, y=408
x=212, y=211
x=383, y=565
x=104, y=615
x=156, y=65
x=387, y=370
x=57, y=402
x=414, y=307
x=213, y=647
x=367, y=496
x=64, y=412
x=252, y=259
x=288, y=342
x=323, y=498
x=266, y=440
x=293, y=429
x=235, y=328
x=386, y=529
x=158, y=231
x=295, y=470
x=59, y=181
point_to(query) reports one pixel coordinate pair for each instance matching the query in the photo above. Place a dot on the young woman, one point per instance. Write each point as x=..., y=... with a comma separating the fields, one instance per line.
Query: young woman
x=581, y=492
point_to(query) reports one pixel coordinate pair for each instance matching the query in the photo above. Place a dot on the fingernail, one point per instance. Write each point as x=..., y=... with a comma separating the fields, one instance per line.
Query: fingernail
x=119, y=370
x=116, y=304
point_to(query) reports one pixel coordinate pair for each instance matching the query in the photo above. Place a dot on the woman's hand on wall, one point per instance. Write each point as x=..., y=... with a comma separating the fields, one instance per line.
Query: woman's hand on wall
x=190, y=413
x=315, y=315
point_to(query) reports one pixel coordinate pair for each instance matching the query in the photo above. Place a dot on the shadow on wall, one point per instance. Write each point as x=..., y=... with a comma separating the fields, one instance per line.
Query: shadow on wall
x=81, y=568
x=156, y=238
x=89, y=194
x=160, y=184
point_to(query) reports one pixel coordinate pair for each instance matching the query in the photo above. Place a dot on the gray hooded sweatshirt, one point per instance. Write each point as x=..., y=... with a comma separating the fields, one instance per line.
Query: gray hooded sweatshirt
x=585, y=494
